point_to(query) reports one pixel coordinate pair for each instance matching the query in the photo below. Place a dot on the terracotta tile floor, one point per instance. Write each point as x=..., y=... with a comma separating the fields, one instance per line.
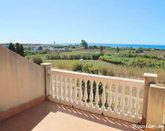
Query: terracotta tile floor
x=45, y=114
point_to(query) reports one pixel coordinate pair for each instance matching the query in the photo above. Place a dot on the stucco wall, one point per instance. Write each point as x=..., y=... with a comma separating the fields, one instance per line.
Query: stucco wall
x=20, y=80
x=156, y=104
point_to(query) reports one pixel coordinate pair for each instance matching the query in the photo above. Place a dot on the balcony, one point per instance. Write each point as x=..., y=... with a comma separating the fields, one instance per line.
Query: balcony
x=49, y=116
x=42, y=98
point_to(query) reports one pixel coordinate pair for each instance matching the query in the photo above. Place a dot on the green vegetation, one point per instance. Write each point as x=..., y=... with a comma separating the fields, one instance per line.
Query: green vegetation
x=17, y=48
x=101, y=50
x=121, y=62
x=84, y=44
x=104, y=68
x=37, y=60
x=64, y=56
x=134, y=60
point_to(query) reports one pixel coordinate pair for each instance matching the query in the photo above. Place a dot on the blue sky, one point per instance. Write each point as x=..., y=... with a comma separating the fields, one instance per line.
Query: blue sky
x=100, y=21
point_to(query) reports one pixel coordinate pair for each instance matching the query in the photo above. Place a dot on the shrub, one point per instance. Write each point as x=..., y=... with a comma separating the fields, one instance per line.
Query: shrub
x=104, y=71
x=95, y=56
x=87, y=68
x=111, y=73
x=52, y=57
x=37, y=60
x=43, y=52
x=94, y=71
x=134, y=61
x=77, y=67
x=140, y=50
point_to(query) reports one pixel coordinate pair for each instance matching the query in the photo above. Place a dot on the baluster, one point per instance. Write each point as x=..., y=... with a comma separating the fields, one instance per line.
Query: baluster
x=137, y=102
x=80, y=91
x=49, y=90
x=61, y=95
x=85, y=92
x=109, y=98
x=52, y=91
x=70, y=88
x=116, y=99
x=66, y=87
x=123, y=100
x=57, y=88
x=103, y=97
x=91, y=94
x=97, y=96
x=75, y=90
x=63, y=87
x=130, y=101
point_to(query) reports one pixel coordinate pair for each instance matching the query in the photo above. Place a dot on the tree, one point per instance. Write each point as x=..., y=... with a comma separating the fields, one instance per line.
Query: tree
x=84, y=44
x=17, y=48
x=117, y=49
x=101, y=50
x=11, y=47
x=40, y=48
x=21, y=50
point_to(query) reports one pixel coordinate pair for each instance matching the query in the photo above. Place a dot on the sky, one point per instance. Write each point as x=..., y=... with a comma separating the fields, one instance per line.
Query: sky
x=96, y=21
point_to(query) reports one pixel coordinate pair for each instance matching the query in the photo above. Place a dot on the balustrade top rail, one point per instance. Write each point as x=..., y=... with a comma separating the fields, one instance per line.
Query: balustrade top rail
x=82, y=75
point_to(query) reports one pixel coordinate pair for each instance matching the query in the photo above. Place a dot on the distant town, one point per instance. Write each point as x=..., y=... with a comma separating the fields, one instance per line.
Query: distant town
x=36, y=47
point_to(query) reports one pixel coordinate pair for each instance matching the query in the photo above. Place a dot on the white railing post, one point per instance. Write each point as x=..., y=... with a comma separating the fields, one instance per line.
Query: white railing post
x=130, y=101
x=66, y=89
x=97, y=96
x=103, y=97
x=70, y=89
x=53, y=91
x=148, y=79
x=61, y=88
x=57, y=88
x=91, y=94
x=85, y=92
x=123, y=100
x=137, y=103
x=80, y=91
x=116, y=99
x=109, y=98
x=75, y=90
x=48, y=84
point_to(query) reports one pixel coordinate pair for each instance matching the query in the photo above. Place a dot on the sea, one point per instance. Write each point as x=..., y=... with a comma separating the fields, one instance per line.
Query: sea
x=146, y=46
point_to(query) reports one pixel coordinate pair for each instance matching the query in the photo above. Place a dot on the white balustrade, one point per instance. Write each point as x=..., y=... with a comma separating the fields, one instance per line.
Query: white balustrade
x=113, y=96
x=91, y=94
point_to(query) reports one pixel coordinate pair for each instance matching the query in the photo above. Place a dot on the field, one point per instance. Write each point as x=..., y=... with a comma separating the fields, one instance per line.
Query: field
x=128, y=63
x=112, y=69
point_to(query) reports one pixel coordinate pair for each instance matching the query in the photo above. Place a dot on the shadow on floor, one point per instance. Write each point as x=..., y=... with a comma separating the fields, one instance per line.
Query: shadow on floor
x=28, y=119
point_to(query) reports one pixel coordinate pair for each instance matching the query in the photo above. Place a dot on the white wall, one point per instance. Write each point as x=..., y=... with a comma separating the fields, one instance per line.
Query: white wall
x=20, y=80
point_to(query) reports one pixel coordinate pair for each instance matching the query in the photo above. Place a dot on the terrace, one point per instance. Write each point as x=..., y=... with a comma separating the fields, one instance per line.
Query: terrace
x=42, y=98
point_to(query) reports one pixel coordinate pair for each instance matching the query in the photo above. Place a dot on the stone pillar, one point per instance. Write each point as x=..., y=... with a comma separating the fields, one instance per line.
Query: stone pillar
x=156, y=106
x=148, y=79
x=47, y=68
